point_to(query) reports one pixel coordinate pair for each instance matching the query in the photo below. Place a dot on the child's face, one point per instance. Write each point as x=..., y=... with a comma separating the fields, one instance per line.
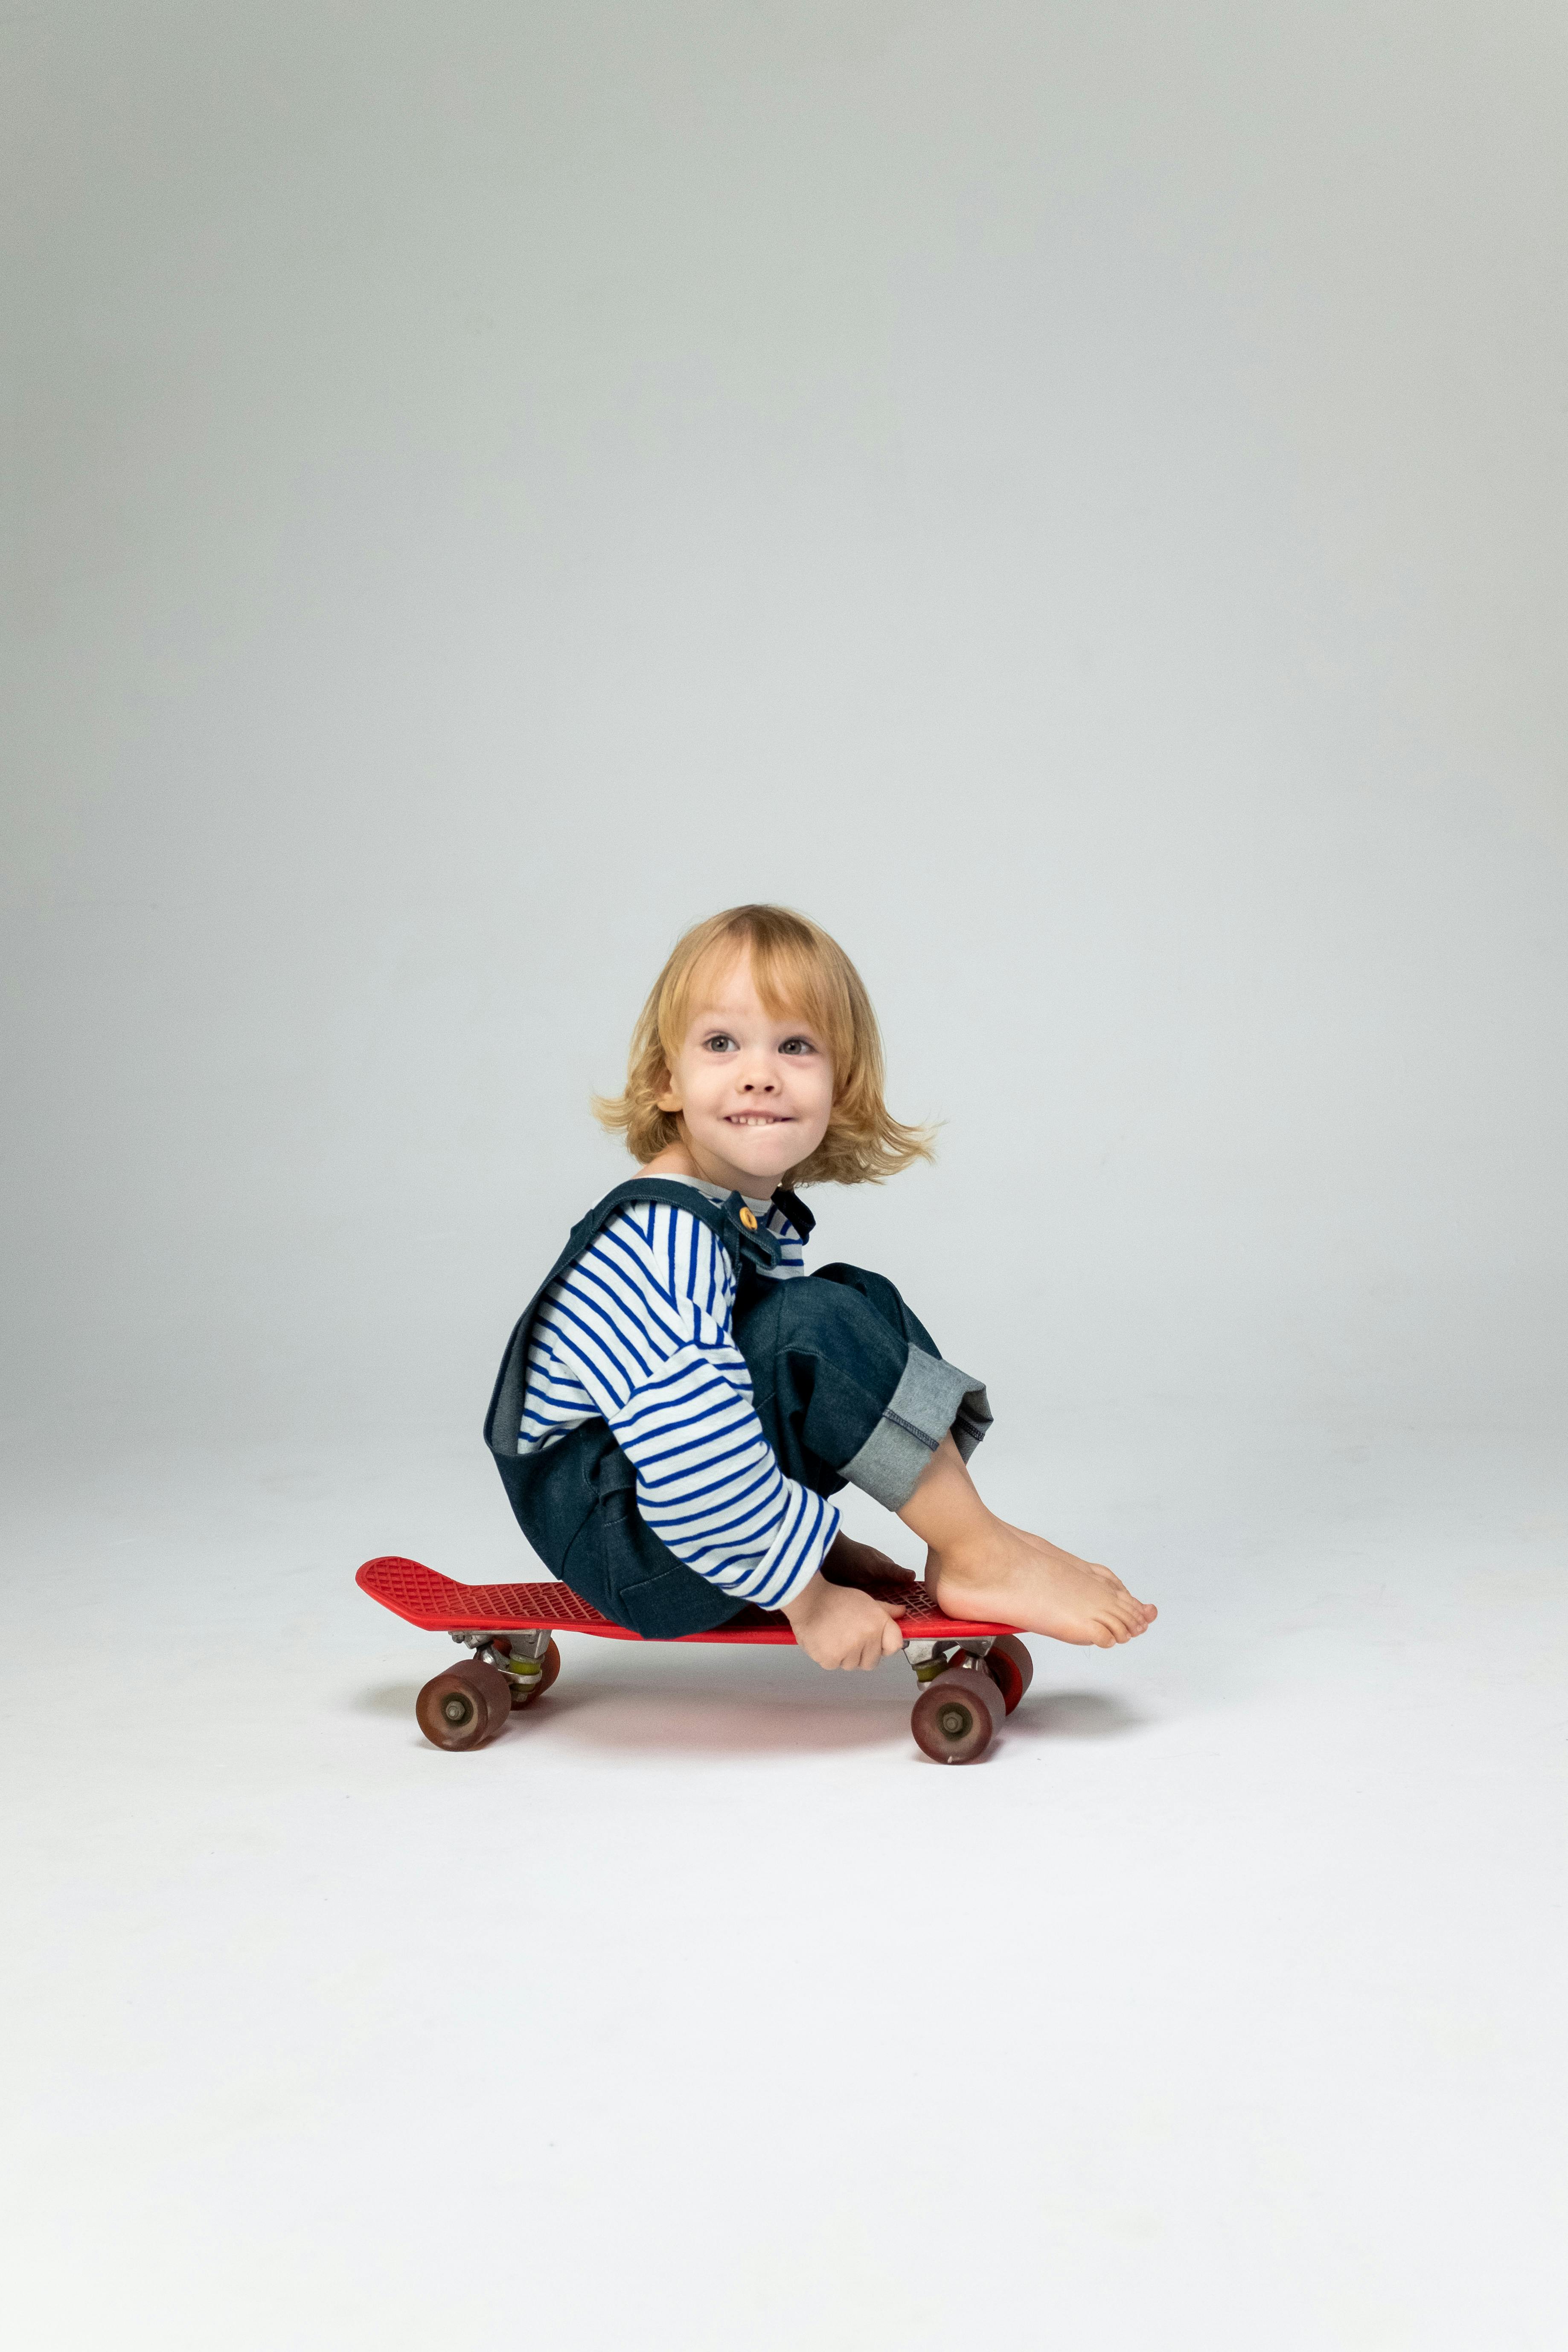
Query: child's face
x=754, y=1092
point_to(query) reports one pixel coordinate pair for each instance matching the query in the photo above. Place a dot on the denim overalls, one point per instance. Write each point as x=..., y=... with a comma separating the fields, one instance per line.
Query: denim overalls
x=848, y=1386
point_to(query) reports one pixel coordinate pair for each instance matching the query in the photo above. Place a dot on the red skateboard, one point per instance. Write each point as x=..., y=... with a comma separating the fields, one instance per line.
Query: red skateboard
x=971, y=1675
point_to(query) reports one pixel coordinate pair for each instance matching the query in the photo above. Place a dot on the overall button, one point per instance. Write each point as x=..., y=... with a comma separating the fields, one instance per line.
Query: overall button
x=748, y=1219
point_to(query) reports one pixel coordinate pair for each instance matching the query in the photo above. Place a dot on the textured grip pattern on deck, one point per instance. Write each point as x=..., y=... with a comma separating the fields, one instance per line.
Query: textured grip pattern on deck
x=434, y=1601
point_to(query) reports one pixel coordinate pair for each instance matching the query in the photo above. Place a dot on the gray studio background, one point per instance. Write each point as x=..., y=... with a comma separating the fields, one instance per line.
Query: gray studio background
x=1072, y=495
x=1069, y=495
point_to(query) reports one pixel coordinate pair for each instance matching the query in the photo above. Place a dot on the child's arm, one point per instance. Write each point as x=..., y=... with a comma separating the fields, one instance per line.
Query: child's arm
x=837, y=1620
x=639, y=1328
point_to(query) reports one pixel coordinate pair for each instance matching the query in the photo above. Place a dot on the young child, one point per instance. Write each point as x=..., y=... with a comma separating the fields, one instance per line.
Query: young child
x=681, y=1398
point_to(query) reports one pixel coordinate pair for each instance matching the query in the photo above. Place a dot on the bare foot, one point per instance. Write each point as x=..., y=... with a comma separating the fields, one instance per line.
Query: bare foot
x=1010, y=1577
x=1054, y=1551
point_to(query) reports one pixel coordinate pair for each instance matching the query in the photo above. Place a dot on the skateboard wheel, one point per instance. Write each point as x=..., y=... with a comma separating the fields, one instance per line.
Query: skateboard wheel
x=955, y=1716
x=464, y=1707
x=1011, y=1668
x=537, y=1688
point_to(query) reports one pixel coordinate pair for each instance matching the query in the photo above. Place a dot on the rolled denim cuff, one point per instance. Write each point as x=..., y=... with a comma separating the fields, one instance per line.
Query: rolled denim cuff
x=931, y=1397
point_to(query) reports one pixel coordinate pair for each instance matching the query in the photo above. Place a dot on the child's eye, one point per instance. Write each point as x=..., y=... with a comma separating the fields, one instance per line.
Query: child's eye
x=797, y=1045
x=719, y=1044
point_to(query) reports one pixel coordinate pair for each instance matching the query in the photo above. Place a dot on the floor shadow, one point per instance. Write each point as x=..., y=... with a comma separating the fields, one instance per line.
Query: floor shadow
x=647, y=1715
x=638, y=1712
x=387, y=1698
x=1074, y=1715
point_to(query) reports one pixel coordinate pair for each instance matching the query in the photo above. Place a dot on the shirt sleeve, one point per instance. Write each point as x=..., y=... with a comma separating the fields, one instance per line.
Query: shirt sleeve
x=644, y=1322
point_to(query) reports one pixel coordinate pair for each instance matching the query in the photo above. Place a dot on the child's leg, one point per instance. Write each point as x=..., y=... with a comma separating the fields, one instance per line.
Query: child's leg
x=979, y=1566
x=850, y=1390
x=849, y=1386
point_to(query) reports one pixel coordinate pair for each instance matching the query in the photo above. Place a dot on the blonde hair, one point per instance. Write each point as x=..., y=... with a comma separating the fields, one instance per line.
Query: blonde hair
x=796, y=969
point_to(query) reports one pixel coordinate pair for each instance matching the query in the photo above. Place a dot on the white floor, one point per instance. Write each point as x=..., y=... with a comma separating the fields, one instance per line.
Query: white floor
x=1222, y=2006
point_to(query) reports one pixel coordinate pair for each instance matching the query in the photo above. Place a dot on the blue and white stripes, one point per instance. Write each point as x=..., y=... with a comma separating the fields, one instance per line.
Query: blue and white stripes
x=638, y=1332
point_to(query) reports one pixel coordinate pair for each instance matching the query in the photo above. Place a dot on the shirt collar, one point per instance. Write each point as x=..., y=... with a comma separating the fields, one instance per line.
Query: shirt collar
x=760, y=1209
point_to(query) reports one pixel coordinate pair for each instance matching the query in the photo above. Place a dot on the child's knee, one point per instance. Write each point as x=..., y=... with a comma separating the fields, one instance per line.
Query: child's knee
x=871, y=1294
x=829, y=1330
x=822, y=1311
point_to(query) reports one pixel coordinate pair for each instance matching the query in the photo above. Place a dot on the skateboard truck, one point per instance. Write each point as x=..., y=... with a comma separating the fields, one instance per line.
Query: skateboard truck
x=930, y=1659
x=524, y=1658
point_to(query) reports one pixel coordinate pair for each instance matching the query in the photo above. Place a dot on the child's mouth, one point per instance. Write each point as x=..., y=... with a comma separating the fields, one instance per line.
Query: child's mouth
x=753, y=1118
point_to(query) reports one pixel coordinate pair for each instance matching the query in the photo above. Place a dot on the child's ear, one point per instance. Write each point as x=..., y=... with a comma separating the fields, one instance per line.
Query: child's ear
x=667, y=1097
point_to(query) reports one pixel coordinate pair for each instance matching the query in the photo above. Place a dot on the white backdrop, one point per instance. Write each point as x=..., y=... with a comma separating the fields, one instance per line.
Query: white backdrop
x=1070, y=493
x=1071, y=497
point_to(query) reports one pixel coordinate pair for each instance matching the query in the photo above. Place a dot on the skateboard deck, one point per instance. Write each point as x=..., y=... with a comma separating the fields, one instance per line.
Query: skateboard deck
x=970, y=1674
x=438, y=1605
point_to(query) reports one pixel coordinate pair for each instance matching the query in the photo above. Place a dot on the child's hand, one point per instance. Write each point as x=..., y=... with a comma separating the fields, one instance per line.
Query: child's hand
x=847, y=1560
x=837, y=1626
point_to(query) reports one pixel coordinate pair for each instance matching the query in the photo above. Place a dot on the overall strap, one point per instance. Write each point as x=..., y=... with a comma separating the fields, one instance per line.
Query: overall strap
x=749, y=1243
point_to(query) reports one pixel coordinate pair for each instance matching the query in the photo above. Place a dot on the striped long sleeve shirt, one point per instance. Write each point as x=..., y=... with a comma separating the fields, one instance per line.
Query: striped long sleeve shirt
x=638, y=1332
